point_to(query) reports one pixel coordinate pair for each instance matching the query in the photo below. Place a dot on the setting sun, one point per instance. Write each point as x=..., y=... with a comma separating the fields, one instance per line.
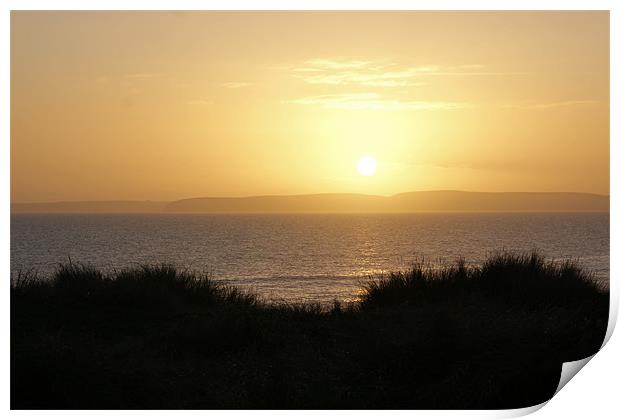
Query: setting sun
x=367, y=166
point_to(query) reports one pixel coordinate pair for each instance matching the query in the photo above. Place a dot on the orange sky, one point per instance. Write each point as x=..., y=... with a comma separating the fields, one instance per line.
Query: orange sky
x=161, y=106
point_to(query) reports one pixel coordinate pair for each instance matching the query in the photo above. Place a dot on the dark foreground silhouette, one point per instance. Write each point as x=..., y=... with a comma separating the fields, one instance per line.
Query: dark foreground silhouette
x=485, y=337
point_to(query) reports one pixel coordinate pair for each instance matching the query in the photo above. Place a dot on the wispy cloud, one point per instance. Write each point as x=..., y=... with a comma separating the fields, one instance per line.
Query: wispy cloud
x=506, y=164
x=306, y=70
x=380, y=74
x=561, y=104
x=235, y=85
x=385, y=79
x=357, y=72
x=373, y=101
x=200, y=102
x=320, y=63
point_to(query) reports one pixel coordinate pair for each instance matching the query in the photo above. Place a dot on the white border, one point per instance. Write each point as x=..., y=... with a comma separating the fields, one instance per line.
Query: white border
x=593, y=394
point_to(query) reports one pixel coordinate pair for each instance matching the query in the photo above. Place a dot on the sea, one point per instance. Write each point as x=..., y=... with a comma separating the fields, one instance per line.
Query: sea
x=302, y=257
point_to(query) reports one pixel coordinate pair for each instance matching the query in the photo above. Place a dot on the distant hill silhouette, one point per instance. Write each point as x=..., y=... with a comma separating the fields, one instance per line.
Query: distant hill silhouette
x=409, y=202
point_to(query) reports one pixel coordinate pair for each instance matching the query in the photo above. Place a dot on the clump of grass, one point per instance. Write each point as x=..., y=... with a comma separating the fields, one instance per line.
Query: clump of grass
x=529, y=278
x=488, y=336
x=25, y=279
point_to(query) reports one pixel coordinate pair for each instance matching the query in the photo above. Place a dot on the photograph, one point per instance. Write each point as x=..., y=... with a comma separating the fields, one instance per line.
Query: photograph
x=306, y=209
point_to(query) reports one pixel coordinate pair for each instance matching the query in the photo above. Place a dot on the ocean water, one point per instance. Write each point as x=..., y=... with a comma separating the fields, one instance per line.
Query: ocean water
x=302, y=257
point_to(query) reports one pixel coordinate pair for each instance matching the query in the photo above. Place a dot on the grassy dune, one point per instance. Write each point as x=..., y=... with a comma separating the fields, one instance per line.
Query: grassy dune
x=492, y=336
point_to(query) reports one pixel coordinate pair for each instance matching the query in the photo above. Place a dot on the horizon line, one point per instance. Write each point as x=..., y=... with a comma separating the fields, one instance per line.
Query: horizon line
x=309, y=195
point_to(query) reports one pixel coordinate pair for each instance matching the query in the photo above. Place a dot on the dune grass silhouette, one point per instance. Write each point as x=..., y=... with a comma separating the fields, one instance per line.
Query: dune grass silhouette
x=155, y=337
